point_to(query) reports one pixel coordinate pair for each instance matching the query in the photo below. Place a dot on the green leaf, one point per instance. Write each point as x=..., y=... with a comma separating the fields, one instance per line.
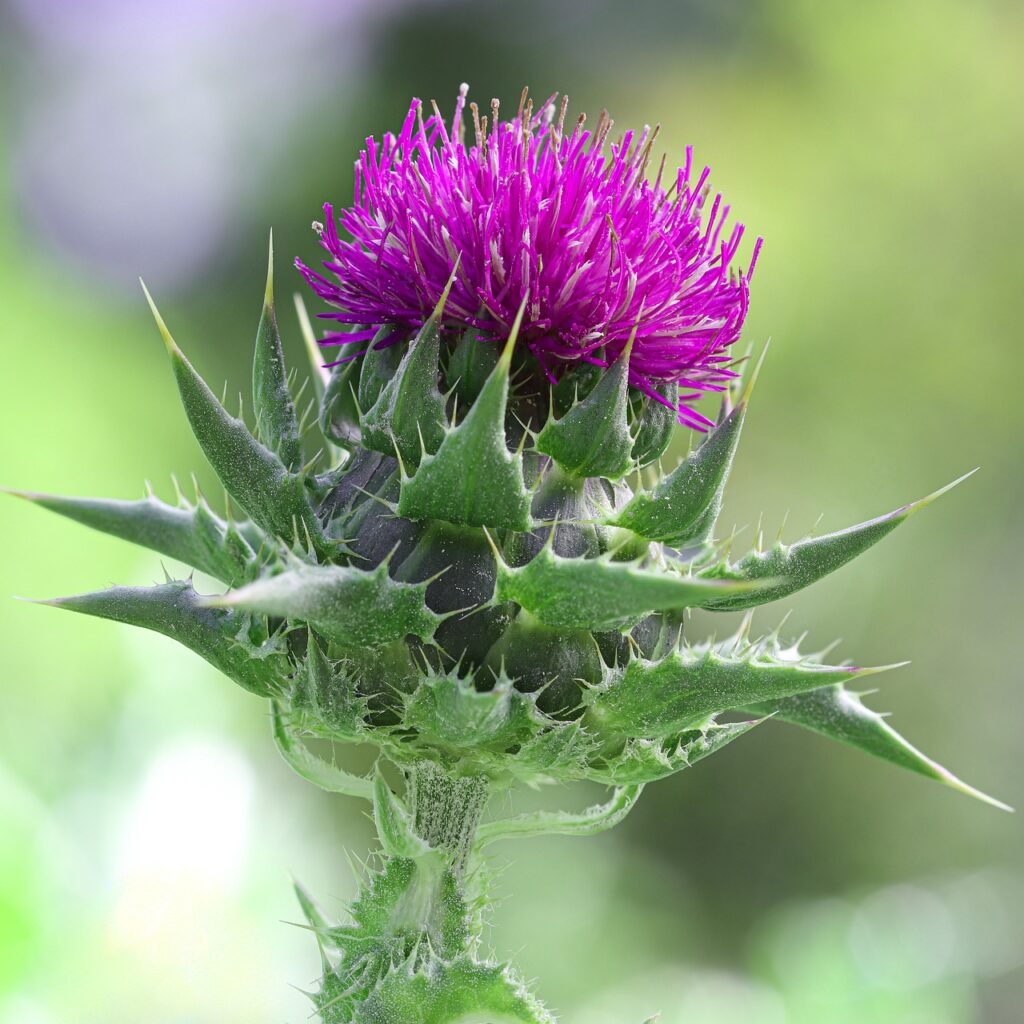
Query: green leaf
x=462, y=991
x=314, y=769
x=394, y=823
x=409, y=413
x=473, y=479
x=378, y=365
x=684, y=506
x=656, y=422
x=350, y=606
x=597, y=593
x=326, y=699
x=339, y=408
x=598, y=818
x=277, y=426
x=553, y=755
x=411, y=910
x=640, y=760
x=793, y=567
x=472, y=361
x=254, y=476
x=310, y=911
x=653, y=699
x=593, y=438
x=841, y=715
x=193, y=535
x=219, y=636
x=447, y=710
x=682, y=509
x=316, y=921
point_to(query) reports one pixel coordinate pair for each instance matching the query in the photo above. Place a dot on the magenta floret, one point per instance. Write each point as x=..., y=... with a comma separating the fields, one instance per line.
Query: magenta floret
x=564, y=220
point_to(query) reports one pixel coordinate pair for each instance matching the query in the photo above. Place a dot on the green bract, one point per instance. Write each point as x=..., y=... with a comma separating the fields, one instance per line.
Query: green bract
x=475, y=583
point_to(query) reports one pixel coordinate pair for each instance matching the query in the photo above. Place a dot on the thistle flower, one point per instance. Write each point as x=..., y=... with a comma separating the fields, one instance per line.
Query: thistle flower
x=476, y=578
x=551, y=217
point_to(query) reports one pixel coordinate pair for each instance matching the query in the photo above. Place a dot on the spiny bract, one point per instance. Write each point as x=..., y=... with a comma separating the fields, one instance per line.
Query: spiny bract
x=489, y=575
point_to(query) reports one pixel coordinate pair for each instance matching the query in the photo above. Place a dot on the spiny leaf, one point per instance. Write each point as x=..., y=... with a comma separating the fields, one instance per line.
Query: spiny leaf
x=462, y=990
x=575, y=380
x=253, y=475
x=598, y=818
x=339, y=410
x=448, y=710
x=317, y=922
x=310, y=911
x=653, y=699
x=656, y=424
x=409, y=414
x=474, y=479
x=327, y=698
x=277, y=425
x=597, y=593
x=472, y=361
x=378, y=365
x=560, y=752
x=415, y=900
x=312, y=768
x=841, y=715
x=682, y=509
x=394, y=823
x=796, y=566
x=219, y=636
x=641, y=760
x=347, y=605
x=193, y=535
x=593, y=438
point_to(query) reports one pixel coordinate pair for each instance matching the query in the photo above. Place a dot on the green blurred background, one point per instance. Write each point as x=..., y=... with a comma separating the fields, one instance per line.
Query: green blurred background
x=147, y=830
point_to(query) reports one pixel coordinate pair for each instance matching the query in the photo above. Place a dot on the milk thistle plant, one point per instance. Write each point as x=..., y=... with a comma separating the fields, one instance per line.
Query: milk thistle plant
x=487, y=572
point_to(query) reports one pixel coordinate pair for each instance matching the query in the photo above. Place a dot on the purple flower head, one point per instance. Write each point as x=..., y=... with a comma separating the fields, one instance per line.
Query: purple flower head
x=532, y=211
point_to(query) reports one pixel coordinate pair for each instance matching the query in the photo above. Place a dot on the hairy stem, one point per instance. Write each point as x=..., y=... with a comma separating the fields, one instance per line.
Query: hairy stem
x=446, y=809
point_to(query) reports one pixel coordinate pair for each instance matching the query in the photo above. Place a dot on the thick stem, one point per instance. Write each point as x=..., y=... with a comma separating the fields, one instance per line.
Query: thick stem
x=410, y=953
x=446, y=808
